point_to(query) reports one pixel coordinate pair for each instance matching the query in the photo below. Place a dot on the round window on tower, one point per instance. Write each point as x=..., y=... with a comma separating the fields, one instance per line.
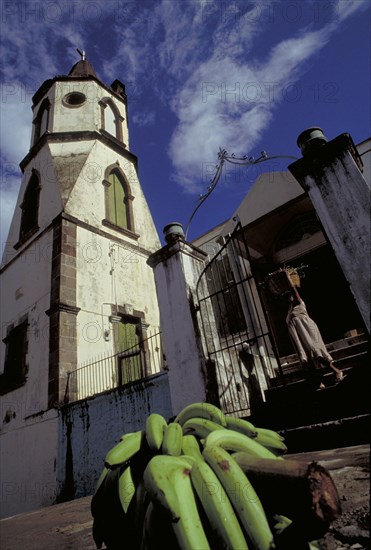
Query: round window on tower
x=74, y=99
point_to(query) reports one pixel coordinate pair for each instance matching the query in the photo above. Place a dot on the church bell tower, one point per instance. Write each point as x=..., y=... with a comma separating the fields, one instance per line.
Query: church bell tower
x=75, y=279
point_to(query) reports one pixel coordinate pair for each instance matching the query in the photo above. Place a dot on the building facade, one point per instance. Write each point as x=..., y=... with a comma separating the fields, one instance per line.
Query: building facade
x=74, y=279
x=282, y=226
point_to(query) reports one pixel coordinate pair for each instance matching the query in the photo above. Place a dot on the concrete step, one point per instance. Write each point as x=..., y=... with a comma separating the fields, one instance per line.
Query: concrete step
x=345, y=357
x=344, y=432
x=339, y=349
x=300, y=404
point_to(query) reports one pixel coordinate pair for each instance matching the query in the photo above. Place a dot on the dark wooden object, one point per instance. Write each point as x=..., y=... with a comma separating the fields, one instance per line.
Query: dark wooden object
x=302, y=491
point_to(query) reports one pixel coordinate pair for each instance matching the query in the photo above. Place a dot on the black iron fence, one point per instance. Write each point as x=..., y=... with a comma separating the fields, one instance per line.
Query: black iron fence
x=107, y=372
x=235, y=328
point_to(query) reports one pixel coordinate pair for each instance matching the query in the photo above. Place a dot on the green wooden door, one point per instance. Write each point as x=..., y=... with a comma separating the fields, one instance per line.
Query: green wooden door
x=130, y=355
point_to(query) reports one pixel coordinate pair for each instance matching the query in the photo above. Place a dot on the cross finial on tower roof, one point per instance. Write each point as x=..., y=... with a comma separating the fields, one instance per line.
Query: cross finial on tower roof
x=82, y=53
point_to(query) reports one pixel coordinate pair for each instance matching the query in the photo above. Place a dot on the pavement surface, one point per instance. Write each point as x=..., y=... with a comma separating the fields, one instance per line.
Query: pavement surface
x=68, y=526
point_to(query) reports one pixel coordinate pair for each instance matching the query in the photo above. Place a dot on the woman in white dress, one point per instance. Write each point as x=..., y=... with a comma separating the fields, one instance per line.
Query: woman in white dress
x=307, y=339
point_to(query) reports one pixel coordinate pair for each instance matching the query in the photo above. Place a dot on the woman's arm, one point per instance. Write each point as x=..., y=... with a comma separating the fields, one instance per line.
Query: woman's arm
x=294, y=290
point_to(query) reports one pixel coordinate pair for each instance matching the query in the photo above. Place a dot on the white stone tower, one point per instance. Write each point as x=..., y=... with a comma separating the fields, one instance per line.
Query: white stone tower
x=75, y=282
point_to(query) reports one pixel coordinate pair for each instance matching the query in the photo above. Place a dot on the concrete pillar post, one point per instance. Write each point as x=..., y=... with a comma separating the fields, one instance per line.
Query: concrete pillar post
x=177, y=267
x=332, y=175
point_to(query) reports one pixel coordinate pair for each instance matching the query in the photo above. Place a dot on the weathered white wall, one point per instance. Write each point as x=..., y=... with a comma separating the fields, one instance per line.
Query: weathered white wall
x=96, y=290
x=90, y=428
x=342, y=204
x=28, y=444
x=71, y=175
x=364, y=151
x=64, y=118
x=270, y=190
x=50, y=204
x=131, y=283
x=87, y=203
x=25, y=290
x=332, y=176
x=28, y=460
x=177, y=269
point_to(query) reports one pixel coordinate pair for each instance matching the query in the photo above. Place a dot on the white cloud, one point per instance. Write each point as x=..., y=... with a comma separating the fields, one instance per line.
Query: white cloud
x=144, y=118
x=198, y=57
x=16, y=119
x=8, y=197
x=228, y=102
x=15, y=112
x=28, y=58
x=345, y=8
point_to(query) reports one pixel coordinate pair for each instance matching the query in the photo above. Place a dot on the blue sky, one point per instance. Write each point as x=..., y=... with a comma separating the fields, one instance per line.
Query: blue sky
x=246, y=76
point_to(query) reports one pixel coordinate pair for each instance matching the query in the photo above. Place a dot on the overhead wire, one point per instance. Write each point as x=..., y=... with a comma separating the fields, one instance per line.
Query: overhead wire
x=232, y=159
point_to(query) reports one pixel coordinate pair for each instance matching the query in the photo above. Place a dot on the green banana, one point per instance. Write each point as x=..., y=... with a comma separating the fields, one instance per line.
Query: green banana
x=235, y=441
x=242, y=495
x=270, y=433
x=155, y=429
x=126, y=488
x=109, y=517
x=98, y=499
x=135, y=516
x=173, y=437
x=98, y=532
x=102, y=477
x=273, y=444
x=191, y=447
x=124, y=450
x=217, y=506
x=157, y=530
x=148, y=527
x=184, y=498
x=201, y=427
x=167, y=481
x=281, y=523
x=241, y=425
x=207, y=411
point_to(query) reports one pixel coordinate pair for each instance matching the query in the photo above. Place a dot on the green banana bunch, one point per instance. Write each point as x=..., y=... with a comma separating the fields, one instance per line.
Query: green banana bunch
x=269, y=433
x=126, y=488
x=157, y=531
x=236, y=441
x=136, y=513
x=109, y=517
x=155, y=429
x=173, y=439
x=242, y=426
x=167, y=481
x=179, y=485
x=101, y=478
x=207, y=411
x=270, y=442
x=128, y=446
x=242, y=495
x=217, y=506
x=201, y=427
x=191, y=447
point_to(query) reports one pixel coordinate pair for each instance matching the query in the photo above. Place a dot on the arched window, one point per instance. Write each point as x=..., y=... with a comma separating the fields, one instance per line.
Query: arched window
x=30, y=207
x=118, y=200
x=41, y=121
x=110, y=118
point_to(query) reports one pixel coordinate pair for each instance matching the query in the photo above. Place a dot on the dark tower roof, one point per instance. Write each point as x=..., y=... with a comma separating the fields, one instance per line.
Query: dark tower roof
x=82, y=68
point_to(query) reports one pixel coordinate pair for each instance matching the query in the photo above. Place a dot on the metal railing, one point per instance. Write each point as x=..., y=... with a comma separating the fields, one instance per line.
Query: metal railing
x=107, y=372
x=237, y=335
